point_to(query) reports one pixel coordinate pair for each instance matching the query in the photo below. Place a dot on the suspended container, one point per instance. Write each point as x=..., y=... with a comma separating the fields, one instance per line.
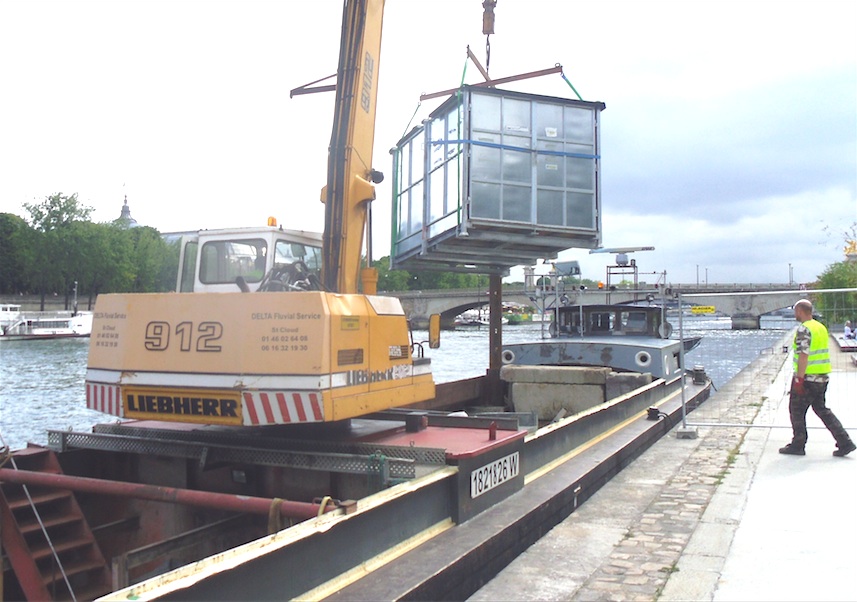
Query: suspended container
x=495, y=179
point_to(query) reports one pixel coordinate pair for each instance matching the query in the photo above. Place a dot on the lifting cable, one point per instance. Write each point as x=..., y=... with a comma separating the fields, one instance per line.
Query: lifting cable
x=562, y=74
x=407, y=127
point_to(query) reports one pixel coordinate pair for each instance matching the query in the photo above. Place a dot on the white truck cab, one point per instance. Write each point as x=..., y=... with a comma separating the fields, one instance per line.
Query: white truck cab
x=215, y=260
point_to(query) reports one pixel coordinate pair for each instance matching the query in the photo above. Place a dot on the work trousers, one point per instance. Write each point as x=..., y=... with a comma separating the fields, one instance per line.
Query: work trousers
x=813, y=397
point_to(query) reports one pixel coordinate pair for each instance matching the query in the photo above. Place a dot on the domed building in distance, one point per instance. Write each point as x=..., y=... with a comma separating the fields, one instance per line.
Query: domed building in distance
x=125, y=220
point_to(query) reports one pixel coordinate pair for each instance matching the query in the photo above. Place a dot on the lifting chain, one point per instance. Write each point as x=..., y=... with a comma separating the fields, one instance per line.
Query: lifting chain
x=488, y=28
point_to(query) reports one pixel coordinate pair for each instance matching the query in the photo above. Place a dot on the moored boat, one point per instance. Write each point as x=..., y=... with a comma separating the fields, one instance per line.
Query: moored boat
x=475, y=317
x=627, y=338
x=10, y=313
x=28, y=326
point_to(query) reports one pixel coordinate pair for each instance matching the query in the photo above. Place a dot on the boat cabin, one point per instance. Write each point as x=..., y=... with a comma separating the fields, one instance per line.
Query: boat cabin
x=625, y=338
x=610, y=320
x=9, y=312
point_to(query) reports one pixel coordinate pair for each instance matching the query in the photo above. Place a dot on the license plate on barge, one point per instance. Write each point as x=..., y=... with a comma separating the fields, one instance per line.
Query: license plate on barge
x=496, y=473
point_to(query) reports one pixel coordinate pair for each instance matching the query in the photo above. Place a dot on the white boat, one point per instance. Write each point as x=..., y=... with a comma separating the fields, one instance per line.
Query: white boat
x=476, y=317
x=17, y=325
x=10, y=313
x=544, y=317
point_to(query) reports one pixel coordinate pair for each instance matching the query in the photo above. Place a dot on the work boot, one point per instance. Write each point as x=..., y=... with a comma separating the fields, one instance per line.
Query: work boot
x=844, y=449
x=792, y=450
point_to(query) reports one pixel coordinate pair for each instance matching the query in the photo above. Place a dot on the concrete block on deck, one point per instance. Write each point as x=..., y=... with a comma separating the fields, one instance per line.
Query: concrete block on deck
x=561, y=375
x=619, y=383
x=547, y=399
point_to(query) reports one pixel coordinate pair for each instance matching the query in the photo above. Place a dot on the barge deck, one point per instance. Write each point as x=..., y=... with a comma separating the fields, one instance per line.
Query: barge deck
x=428, y=538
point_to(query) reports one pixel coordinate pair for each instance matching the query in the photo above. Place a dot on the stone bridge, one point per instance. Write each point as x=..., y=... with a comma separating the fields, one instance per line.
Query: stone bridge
x=744, y=303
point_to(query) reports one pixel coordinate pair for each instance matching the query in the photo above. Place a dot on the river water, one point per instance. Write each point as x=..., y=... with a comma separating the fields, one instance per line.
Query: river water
x=41, y=382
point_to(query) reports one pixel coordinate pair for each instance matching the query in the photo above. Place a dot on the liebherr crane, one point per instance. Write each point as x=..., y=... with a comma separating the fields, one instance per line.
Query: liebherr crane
x=321, y=352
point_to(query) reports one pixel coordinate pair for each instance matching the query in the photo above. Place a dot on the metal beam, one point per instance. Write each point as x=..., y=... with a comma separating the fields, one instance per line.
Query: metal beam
x=173, y=495
x=494, y=82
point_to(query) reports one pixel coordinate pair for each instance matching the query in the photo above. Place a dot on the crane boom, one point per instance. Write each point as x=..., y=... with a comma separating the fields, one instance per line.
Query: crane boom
x=350, y=176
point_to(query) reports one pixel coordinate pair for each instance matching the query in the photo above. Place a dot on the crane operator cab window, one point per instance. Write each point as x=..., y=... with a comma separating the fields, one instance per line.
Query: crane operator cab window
x=222, y=261
x=290, y=252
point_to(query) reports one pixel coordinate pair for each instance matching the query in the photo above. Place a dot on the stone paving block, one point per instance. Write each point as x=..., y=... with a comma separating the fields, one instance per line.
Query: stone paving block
x=725, y=508
x=690, y=584
x=711, y=539
x=713, y=563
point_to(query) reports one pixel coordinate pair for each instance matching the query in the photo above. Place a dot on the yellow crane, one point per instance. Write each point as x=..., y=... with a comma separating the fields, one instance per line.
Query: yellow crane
x=321, y=352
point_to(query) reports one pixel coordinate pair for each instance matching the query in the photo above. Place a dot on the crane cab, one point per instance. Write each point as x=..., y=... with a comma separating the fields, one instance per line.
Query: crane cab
x=210, y=261
x=249, y=349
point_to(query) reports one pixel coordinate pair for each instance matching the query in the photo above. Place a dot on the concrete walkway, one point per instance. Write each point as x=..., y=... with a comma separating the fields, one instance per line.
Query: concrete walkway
x=723, y=516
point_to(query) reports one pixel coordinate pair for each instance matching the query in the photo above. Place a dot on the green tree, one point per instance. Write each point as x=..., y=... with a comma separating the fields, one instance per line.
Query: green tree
x=57, y=211
x=437, y=280
x=105, y=264
x=57, y=255
x=15, y=242
x=390, y=280
x=169, y=267
x=838, y=307
x=418, y=280
x=152, y=258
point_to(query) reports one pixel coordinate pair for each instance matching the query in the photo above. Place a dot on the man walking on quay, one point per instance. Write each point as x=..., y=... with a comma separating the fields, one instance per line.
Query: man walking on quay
x=809, y=384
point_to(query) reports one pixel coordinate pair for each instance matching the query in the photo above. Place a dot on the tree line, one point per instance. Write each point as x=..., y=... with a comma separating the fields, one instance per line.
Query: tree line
x=59, y=246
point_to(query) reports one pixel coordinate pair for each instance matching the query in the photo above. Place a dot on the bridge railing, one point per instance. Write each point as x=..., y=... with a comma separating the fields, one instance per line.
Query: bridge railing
x=672, y=289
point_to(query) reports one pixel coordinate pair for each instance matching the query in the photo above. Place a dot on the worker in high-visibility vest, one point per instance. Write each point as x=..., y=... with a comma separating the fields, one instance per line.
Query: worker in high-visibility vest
x=809, y=384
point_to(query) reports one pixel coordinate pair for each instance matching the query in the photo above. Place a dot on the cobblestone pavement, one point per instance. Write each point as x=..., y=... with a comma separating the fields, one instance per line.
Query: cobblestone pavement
x=640, y=566
x=643, y=536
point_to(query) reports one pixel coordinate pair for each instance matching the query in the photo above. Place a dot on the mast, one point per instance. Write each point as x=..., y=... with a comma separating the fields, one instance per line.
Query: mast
x=350, y=177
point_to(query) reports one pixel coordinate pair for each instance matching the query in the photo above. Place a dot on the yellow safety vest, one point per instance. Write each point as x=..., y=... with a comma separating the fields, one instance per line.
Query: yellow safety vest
x=819, y=353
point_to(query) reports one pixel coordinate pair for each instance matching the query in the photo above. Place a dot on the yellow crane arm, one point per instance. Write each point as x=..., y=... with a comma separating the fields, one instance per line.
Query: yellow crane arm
x=350, y=175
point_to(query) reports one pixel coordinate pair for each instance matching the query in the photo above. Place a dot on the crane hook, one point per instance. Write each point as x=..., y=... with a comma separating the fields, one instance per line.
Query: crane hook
x=488, y=16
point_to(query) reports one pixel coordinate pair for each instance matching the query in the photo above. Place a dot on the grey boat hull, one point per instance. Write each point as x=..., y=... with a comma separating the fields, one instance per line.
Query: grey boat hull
x=659, y=357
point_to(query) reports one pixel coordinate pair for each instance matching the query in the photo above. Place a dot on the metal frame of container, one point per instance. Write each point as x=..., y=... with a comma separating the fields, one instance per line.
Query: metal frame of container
x=494, y=179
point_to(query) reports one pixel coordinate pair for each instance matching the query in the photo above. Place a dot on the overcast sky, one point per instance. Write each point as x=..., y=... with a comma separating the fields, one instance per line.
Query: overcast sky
x=729, y=141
